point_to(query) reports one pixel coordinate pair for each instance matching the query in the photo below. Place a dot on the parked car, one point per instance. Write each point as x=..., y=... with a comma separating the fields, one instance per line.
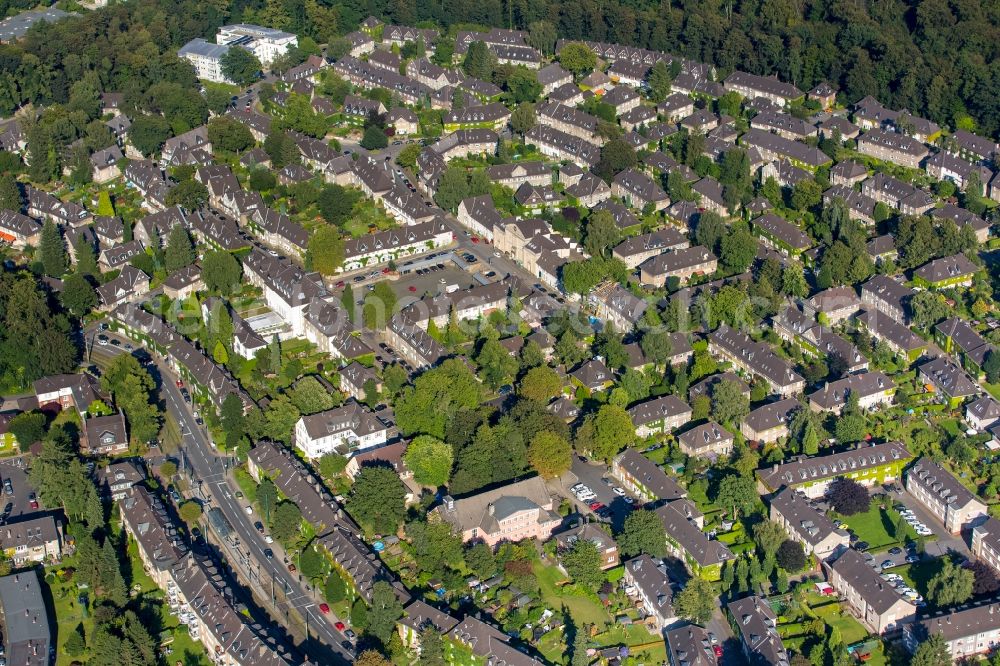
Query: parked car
x=339, y=625
x=896, y=550
x=324, y=608
x=888, y=564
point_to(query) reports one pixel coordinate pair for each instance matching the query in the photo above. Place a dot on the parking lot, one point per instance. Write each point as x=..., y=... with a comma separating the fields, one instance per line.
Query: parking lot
x=12, y=469
x=944, y=542
x=593, y=476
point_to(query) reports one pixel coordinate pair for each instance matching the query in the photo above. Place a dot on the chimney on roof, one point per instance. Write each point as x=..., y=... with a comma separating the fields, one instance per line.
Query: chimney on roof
x=491, y=509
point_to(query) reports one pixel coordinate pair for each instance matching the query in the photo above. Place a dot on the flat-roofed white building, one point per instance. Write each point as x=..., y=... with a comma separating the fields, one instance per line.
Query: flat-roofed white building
x=268, y=44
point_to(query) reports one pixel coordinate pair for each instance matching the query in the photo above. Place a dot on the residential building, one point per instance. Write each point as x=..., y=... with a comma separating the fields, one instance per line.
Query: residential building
x=972, y=147
x=782, y=235
x=593, y=375
x=773, y=147
x=659, y=415
x=415, y=345
x=104, y=435
x=683, y=264
x=885, y=295
x=950, y=379
x=703, y=556
x=267, y=44
x=893, y=147
x=635, y=250
x=354, y=377
x=562, y=146
x=419, y=616
x=758, y=625
x=872, y=389
x=869, y=465
x=594, y=533
x=769, y=423
x=553, y=76
x=517, y=174
x=643, y=477
x=19, y=230
x=806, y=524
x=848, y=173
x=784, y=125
x=639, y=191
x=872, y=600
x=908, y=199
x=755, y=358
x=860, y=206
x=898, y=337
x=943, y=495
x=345, y=429
x=985, y=542
x=516, y=511
x=115, y=479
x=946, y=272
x=28, y=638
x=487, y=644
x=689, y=646
x=37, y=538
x=768, y=87
x=968, y=633
x=945, y=166
x=66, y=391
x=982, y=412
x=833, y=306
x=956, y=336
x=206, y=58
x=647, y=583
x=706, y=440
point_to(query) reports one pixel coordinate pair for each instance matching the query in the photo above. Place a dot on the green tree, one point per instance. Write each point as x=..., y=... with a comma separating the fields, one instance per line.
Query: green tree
x=931, y=651
x=75, y=644
x=190, y=512
x=334, y=590
x=312, y=563
x=430, y=460
x=326, y=249
x=577, y=58
x=227, y=134
x=267, y=498
x=523, y=119
x=148, y=134
x=738, y=249
x=768, y=536
x=380, y=304
x=436, y=396
x=606, y=433
x=180, y=250
x=696, y=602
x=643, y=532
x=710, y=230
x=479, y=63
x=383, y=611
x=542, y=35
x=432, y=651
x=729, y=403
x=790, y=556
x=452, y=188
x=86, y=258
x=378, y=499
x=240, y=66
x=616, y=156
x=189, y=195
x=78, y=295
x=739, y=493
x=549, y=454
x=523, y=86
x=11, y=197
x=286, y=522
x=221, y=271
x=540, y=383
x=950, y=586
x=583, y=564
x=27, y=428
x=52, y=250
x=659, y=81
x=495, y=365
x=374, y=138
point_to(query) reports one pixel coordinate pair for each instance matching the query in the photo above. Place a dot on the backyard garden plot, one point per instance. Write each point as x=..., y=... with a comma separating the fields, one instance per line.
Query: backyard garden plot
x=877, y=526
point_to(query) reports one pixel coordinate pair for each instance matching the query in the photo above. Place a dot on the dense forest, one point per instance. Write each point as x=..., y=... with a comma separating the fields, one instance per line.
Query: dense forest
x=936, y=58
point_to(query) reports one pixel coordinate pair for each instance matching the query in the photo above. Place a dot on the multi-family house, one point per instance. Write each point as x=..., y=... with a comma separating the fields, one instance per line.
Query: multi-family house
x=647, y=583
x=755, y=358
x=639, y=191
x=968, y=633
x=689, y=646
x=114, y=479
x=417, y=618
x=833, y=306
x=635, y=250
x=972, y=147
x=35, y=539
x=870, y=388
x=869, y=465
x=900, y=339
x=19, y=230
x=893, y=147
x=758, y=625
x=963, y=217
x=943, y=495
x=769, y=423
x=685, y=539
x=982, y=412
x=683, y=264
x=553, y=76
x=887, y=296
x=956, y=336
x=563, y=146
x=784, y=125
x=659, y=415
x=985, y=542
x=947, y=377
x=860, y=206
x=806, y=524
x=346, y=429
x=872, y=600
x=768, y=87
x=945, y=166
x=848, y=173
x=104, y=435
x=598, y=536
x=66, y=391
x=516, y=511
x=706, y=440
x=517, y=174
x=782, y=235
x=416, y=346
x=908, y=199
x=946, y=273
x=773, y=147
x=45, y=206
x=643, y=477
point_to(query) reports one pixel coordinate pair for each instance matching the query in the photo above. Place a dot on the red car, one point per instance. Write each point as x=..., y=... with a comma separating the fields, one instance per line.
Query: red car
x=339, y=626
x=595, y=506
x=323, y=608
x=412, y=288
x=475, y=239
x=717, y=649
x=340, y=284
x=179, y=383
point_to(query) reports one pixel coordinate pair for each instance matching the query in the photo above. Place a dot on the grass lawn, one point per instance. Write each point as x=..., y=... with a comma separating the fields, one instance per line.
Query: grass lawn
x=583, y=609
x=365, y=215
x=645, y=647
x=918, y=574
x=876, y=527
x=836, y=616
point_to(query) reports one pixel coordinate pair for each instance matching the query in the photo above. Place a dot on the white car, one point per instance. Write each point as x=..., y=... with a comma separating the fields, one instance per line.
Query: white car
x=268, y=538
x=249, y=510
x=618, y=491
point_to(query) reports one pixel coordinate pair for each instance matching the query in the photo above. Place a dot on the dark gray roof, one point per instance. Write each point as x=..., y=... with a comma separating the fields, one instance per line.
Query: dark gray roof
x=810, y=470
x=856, y=572
x=646, y=472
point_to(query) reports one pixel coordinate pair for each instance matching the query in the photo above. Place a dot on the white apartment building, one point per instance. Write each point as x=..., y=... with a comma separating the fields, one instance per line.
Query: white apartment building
x=267, y=44
x=206, y=58
x=346, y=429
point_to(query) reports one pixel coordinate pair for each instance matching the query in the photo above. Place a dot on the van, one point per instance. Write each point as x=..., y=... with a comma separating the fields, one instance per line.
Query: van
x=451, y=288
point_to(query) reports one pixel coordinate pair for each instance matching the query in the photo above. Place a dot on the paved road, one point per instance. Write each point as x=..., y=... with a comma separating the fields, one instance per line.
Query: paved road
x=217, y=484
x=325, y=643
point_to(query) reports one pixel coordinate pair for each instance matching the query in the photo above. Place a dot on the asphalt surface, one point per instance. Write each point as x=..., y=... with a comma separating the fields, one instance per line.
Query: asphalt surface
x=13, y=469
x=324, y=643
x=591, y=474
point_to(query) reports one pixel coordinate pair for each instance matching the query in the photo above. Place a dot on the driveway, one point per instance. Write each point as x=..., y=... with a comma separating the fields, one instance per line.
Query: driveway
x=593, y=474
x=945, y=542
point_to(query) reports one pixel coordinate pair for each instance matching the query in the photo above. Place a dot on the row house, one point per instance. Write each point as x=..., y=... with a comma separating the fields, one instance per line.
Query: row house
x=635, y=250
x=709, y=440
x=784, y=173
x=258, y=124
x=394, y=244
x=369, y=77
x=562, y=146
x=109, y=230
x=626, y=72
x=470, y=304
x=892, y=147
x=568, y=93
x=870, y=114
x=710, y=195
x=417, y=618
x=153, y=230
x=45, y=206
x=465, y=142
x=758, y=625
x=218, y=231
x=675, y=107
x=536, y=198
x=114, y=258
x=769, y=423
x=755, y=358
x=860, y=206
x=191, y=147
x=487, y=644
x=329, y=327
x=985, y=542
x=682, y=522
x=752, y=86
x=872, y=389
x=949, y=379
x=553, y=76
x=619, y=306
x=832, y=306
x=184, y=283
x=894, y=193
x=876, y=603
x=520, y=173
x=194, y=588
x=589, y=191
x=416, y=346
x=963, y=218
x=782, y=235
x=943, y=495
x=783, y=124
x=479, y=215
x=149, y=180
x=66, y=391
x=956, y=336
x=982, y=413
x=869, y=465
x=900, y=339
x=424, y=71
x=19, y=230
x=569, y=120
x=946, y=273
x=643, y=477
x=689, y=646
x=130, y=283
x=400, y=35
x=945, y=166
x=883, y=294
x=279, y=232
x=968, y=633
x=645, y=116
x=798, y=327
x=806, y=524
x=639, y=191
x=354, y=377
x=624, y=218
x=683, y=264
x=773, y=147
x=647, y=583
x=971, y=146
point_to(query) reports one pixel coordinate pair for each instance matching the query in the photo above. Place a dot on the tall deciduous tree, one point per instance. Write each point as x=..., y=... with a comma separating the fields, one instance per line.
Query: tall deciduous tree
x=326, y=249
x=696, y=602
x=377, y=499
x=430, y=460
x=549, y=454
x=240, y=66
x=643, y=532
x=52, y=250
